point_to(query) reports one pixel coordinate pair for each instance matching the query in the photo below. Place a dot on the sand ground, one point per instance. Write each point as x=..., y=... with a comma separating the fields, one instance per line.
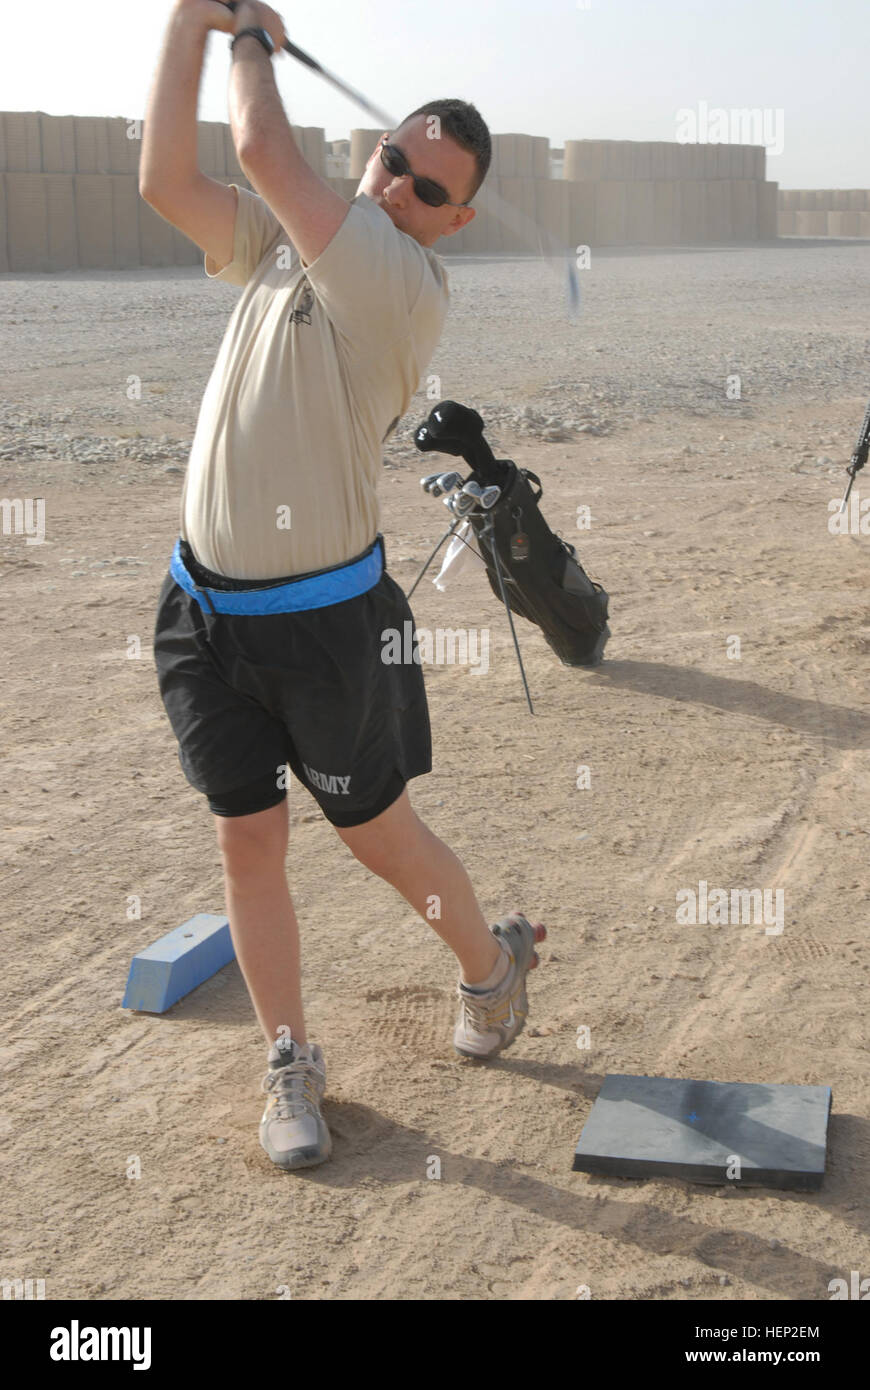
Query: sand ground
x=709, y=520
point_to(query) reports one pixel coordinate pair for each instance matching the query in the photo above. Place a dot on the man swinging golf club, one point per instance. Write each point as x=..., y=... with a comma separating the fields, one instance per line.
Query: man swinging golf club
x=268, y=631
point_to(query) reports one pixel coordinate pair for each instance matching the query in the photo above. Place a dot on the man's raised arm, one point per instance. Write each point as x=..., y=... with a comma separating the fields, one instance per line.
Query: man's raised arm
x=305, y=205
x=169, y=156
x=169, y=175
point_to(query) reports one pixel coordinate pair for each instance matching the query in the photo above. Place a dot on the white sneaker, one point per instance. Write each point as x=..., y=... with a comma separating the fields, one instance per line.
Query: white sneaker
x=292, y=1130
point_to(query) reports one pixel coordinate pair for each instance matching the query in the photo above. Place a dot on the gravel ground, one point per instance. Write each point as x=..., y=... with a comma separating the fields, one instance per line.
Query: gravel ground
x=655, y=332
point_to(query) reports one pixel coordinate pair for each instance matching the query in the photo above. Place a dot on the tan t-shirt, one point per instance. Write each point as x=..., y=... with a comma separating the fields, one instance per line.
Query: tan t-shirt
x=317, y=366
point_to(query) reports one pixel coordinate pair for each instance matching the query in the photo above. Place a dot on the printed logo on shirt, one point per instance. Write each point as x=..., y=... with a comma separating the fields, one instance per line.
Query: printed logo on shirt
x=325, y=782
x=306, y=304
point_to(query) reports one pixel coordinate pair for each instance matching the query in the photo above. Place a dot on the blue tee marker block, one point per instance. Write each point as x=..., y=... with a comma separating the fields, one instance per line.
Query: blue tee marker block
x=163, y=973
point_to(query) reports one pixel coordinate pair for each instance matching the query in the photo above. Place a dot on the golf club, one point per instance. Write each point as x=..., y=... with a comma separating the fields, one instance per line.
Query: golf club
x=425, y=440
x=429, y=481
x=461, y=503
x=446, y=482
x=449, y=482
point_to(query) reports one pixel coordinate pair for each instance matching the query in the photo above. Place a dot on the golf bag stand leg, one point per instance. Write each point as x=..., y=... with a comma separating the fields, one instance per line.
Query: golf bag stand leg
x=489, y=532
x=447, y=533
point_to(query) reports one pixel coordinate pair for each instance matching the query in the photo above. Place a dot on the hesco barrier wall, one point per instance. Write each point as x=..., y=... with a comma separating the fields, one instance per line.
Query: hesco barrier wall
x=69, y=193
x=820, y=212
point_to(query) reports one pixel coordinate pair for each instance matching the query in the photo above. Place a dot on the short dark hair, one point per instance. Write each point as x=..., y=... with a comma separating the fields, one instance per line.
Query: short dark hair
x=464, y=124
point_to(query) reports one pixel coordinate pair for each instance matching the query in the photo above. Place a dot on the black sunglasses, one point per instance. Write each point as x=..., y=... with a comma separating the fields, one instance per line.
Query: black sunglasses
x=428, y=192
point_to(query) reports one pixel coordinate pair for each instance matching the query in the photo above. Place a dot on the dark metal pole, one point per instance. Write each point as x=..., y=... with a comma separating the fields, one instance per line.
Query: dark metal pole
x=859, y=457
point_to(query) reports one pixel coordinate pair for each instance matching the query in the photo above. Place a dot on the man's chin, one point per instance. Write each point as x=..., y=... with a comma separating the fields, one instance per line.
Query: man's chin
x=396, y=221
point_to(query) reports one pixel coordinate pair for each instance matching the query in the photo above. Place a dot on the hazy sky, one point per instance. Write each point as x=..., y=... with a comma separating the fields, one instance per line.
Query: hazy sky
x=617, y=69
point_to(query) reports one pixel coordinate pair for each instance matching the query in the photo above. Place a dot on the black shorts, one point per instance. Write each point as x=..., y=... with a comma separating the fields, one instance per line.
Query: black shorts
x=247, y=694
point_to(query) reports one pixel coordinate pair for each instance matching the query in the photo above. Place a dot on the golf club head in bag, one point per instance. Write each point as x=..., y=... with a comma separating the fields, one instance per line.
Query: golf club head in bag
x=460, y=504
x=425, y=441
x=544, y=581
x=457, y=429
x=436, y=484
x=449, y=482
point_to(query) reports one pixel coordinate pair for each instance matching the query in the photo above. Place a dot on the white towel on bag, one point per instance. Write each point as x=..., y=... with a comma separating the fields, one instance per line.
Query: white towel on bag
x=459, y=556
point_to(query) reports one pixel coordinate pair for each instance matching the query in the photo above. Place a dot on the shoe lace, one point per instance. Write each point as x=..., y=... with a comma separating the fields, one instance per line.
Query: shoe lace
x=482, y=1015
x=476, y=1013
x=294, y=1089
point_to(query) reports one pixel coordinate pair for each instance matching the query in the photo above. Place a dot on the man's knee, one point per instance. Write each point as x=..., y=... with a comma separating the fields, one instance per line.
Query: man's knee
x=249, y=842
x=382, y=843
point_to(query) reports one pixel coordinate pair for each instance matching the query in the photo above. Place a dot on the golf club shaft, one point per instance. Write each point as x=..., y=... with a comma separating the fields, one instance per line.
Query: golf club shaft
x=382, y=116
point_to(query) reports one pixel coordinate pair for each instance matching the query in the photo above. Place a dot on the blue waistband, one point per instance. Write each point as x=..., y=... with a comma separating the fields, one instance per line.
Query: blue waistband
x=313, y=591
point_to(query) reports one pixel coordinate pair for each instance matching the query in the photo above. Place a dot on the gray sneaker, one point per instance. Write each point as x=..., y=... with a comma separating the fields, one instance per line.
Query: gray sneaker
x=489, y=1022
x=292, y=1130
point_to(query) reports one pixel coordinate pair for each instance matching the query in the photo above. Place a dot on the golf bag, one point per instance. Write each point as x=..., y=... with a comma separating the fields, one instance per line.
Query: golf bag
x=543, y=580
